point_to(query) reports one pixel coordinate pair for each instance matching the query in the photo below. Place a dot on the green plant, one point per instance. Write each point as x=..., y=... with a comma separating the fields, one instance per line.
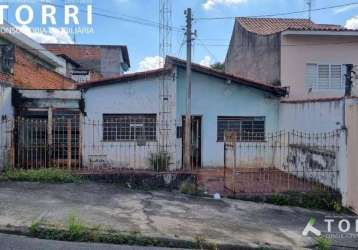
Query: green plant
x=323, y=243
x=160, y=161
x=50, y=175
x=34, y=228
x=76, y=228
x=187, y=188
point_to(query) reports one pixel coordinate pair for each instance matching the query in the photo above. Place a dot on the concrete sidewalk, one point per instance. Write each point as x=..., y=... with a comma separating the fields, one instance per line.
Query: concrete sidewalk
x=158, y=214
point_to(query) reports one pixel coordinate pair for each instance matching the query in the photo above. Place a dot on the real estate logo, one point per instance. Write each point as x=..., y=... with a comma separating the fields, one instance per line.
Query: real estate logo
x=311, y=229
x=336, y=227
x=76, y=16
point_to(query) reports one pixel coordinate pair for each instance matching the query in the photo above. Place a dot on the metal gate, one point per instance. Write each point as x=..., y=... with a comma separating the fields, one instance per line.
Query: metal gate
x=42, y=142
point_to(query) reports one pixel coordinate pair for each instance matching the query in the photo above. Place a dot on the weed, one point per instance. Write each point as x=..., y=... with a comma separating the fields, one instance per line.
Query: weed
x=76, y=228
x=48, y=175
x=202, y=243
x=34, y=228
x=160, y=161
x=323, y=243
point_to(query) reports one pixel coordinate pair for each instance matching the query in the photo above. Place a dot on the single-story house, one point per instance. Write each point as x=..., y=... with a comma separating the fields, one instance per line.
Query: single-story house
x=126, y=116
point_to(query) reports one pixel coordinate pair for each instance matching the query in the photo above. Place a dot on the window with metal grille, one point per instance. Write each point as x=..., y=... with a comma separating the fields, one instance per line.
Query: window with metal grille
x=129, y=127
x=246, y=128
x=325, y=76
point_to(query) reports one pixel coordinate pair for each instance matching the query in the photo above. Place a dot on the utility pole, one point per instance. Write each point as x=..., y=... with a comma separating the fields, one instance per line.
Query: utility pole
x=309, y=3
x=187, y=134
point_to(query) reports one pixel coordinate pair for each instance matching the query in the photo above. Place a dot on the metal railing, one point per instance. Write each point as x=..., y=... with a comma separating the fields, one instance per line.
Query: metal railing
x=283, y=161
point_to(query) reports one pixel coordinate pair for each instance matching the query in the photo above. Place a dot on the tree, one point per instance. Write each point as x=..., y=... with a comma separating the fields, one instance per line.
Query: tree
x=218, y=66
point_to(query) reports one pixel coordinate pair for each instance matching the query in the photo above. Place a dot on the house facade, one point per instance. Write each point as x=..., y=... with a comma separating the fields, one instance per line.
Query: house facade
x=130, y=109
x=308, y=58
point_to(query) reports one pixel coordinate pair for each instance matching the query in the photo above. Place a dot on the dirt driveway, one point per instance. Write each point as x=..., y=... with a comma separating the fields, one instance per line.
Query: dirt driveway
x=160, y=214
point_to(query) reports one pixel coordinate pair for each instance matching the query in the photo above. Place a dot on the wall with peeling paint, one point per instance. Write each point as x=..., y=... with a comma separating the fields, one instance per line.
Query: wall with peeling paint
x=313, y=164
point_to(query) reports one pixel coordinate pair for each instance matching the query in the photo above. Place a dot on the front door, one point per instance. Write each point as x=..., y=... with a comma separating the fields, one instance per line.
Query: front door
x=195, y=141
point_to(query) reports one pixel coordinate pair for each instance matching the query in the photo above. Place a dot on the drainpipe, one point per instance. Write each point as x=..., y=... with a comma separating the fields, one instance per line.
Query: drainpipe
x=348, y=91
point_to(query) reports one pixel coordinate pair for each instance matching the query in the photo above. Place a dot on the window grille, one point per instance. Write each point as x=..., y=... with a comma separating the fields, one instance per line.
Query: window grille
x=246, y=128
x=129, y=127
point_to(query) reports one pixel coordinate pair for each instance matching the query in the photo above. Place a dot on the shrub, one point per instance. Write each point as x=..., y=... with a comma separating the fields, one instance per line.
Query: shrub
x=187, y=188
x=312, y=200
x=160, y=161
x=50, y=175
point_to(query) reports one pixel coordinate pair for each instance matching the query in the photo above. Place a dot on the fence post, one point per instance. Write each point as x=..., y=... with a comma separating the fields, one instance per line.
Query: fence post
x=13, y=138
x=69, y=138
x=49, y=134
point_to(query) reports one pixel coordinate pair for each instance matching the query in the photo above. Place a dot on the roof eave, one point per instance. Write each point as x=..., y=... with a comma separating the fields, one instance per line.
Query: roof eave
x=277, y=91
x=320, y=32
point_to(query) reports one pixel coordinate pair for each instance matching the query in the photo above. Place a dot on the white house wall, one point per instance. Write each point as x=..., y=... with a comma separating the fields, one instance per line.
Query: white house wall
x=213, y=97
x=133, y=97
x=311, y=117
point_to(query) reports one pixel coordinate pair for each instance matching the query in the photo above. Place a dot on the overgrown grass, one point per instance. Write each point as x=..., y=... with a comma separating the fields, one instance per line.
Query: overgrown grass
x=78, y=231
x=312, y=200
x=47, y=175
x=323, y=243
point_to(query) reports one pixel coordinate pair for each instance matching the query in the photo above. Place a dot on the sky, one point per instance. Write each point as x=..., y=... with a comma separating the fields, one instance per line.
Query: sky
x=142, y=40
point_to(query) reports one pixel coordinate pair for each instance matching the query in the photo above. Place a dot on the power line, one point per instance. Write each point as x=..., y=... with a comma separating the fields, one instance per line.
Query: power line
x=126, y=18
x=279, y=14
x=207, y=49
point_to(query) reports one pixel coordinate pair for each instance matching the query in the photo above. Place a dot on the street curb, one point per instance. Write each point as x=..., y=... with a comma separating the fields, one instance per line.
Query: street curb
x=174, y=243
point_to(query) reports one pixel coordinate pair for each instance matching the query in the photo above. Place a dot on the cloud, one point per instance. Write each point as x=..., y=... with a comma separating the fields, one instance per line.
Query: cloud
x=151, y=62
x=209, y=4
x=53, y=35
x=352, y=23
x=206, y=61
x=345, y=8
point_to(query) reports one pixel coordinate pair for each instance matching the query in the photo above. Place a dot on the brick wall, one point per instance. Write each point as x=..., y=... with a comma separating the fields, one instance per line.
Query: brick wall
x=29, y=73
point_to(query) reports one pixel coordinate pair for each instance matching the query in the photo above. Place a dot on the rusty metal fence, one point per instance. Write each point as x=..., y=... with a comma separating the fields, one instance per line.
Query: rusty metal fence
x=73, y=143
x=280, y=162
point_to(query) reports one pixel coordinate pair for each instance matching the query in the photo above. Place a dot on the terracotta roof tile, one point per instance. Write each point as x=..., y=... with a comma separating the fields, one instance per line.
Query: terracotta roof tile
x=268, y=26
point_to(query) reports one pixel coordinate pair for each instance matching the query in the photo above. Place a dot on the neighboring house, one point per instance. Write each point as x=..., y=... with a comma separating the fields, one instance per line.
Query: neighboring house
x=91, y=62
x=26, y=64
x=128, y=109
x=307, y=57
